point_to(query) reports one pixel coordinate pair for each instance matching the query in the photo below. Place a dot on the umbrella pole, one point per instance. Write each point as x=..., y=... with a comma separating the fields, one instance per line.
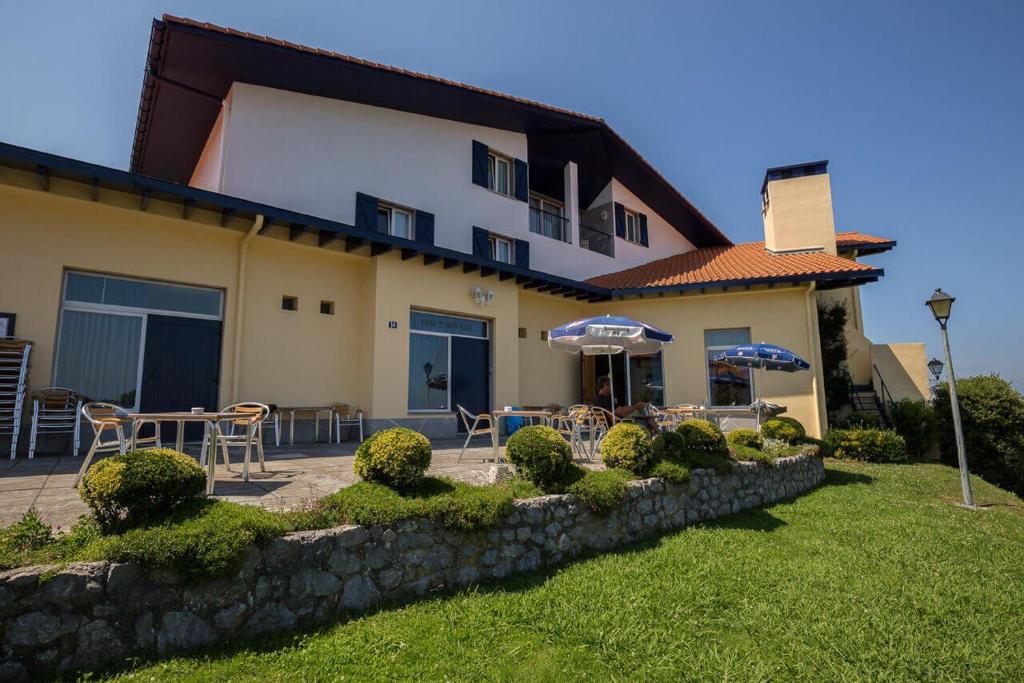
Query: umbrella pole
x=611, y=379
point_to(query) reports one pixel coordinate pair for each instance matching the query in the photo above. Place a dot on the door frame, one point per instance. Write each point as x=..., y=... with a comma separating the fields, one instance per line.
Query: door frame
x=490, y=357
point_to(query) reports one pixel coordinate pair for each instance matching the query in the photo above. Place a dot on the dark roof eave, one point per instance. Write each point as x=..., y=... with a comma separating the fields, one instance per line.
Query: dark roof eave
x=867, y=248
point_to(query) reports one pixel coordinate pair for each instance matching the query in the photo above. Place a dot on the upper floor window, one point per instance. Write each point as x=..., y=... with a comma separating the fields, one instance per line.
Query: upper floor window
x=547, y=218
x=632, y=226
x=499, y=174
x=501, y=249
x=394, y=221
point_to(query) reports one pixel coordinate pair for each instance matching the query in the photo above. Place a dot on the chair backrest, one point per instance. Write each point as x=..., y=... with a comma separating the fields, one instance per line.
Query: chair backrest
x=259, y=412
x=468, y=418
x=345, y=410
x=57, y=398
x=603, y=416
x=104, y=414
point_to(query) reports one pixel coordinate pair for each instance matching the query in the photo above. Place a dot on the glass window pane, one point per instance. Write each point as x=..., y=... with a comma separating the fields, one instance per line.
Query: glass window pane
x=400, y=224
x=733, y=337
x=501, y=185
x=501, y=251
x=140, y=294
x=383, y=220
x=82, y=287
x=645, y=379
x=490, y=172
x=447, y=324
x=728, y=385
x=99, y=356
x=428, y=372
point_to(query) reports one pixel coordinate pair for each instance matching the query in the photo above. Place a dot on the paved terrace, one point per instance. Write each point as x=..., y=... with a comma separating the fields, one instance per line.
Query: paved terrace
x=295, y=475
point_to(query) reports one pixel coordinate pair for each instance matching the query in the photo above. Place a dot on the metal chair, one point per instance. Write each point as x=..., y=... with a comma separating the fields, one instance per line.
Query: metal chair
x=14, y=364
x=572, y=426
x=273, y=419
x=346, y=414
x=252, y=435
x=107, y=416
x=55, y=410
x=476, y=425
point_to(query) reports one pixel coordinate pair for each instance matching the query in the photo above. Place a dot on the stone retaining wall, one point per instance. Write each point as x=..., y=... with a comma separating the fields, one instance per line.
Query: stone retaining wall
x=95, y=613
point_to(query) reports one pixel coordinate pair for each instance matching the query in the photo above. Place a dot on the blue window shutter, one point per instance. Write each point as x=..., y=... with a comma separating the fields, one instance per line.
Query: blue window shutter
x=479, y=164
x=643, y=229
x=522, y=180
x=424, y=232
x=522, y=254
x=481, y=243
x=366, y=212
x=620, y=220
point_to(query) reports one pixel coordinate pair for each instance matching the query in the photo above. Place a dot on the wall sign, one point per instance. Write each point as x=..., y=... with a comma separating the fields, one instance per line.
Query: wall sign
x=392, y=324
x=7, y=324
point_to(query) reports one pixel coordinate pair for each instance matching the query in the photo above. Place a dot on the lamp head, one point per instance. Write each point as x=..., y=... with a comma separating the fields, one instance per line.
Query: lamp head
x=940, y=303
x=935, y=367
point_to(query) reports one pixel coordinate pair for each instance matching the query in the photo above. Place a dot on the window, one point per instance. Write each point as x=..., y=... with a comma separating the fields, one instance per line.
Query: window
x=430, y=356
x=546, y=218
x=394, y=221
x=499, y=174
x=632, y=226
x=522, y=333
x=327, y=307
x=289, y=303
x=107, y=290
x=727, y=385
x=543, y=335
x=645, y=379
x=501, y=249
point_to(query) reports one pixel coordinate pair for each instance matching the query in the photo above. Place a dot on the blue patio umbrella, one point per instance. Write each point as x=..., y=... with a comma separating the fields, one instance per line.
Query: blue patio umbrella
x=763, y=356
x=607, y=335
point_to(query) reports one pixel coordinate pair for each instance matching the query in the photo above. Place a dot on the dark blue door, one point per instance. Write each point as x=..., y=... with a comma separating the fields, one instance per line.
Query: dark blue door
x=180, y=368
x=470, y=376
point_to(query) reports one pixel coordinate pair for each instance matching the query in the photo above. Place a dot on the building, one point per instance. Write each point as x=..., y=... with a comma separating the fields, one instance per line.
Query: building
x=300, y=227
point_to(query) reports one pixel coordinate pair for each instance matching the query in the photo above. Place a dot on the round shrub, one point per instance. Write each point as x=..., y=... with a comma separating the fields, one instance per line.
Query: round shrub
x=784, y=429
x=703, y=436
x=395, y=457
x=628, y=446
x=992, y=411
x=140, y=486
x=745, y=437
x=860, y=420
x=539, y=453
x=667, y=446
x=873, y=445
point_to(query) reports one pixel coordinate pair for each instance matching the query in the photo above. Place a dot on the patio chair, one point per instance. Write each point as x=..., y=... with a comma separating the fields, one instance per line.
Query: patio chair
x=347, y=414
x=252, y=434
x=665, y=420
x=109, y=417
x=572, y=425
x=14, y=366
x=55, y=410
x=476, y=425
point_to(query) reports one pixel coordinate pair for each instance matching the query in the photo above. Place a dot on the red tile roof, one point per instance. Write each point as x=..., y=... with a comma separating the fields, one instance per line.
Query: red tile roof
x=853, y=240
x=741, y=263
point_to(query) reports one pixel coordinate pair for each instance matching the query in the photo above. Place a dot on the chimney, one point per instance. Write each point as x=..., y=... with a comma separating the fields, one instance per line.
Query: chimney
x=796, y=204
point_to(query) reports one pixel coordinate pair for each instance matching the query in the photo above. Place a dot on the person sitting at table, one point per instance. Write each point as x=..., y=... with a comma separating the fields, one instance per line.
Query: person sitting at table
x=637, y=412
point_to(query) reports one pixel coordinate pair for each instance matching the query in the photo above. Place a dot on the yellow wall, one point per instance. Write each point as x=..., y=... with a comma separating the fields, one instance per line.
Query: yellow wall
x=799, y=214
x=545, y=374
x=903, y=368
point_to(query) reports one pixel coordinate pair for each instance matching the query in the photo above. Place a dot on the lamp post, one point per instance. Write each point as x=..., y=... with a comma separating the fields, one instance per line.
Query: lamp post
x=935, y=367
x=940, y=304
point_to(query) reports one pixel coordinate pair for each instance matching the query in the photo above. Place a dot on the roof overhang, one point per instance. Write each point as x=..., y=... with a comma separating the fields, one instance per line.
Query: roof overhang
x=191, y=66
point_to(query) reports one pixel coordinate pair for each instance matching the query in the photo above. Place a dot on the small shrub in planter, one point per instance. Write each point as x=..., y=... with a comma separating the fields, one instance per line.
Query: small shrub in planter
x=818, y=447
x=667, y=446
x=873, y=445
x=745, y=437
x=671, y=470
x=744, y=453
x=704, y=437
x=601, y=491
x=628, y=446
x=784, y=429
x=539, y=453
x=395, y=457
x=140, y=486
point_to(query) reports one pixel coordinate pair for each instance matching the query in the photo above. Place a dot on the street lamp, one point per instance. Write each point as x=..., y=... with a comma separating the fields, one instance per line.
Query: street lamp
x=935, y=367
x=940, y=304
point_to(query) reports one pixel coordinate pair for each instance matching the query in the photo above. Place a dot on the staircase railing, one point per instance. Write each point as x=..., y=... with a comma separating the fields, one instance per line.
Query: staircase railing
x=885, y=397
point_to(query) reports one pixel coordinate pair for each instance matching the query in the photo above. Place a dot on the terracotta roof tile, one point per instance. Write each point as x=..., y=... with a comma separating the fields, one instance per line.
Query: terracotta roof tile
x=738, y=263
x=853, y=239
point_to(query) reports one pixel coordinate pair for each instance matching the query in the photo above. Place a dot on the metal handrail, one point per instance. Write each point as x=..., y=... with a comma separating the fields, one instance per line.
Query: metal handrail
x=597, y=240
x=542, y=216
x=886, y=396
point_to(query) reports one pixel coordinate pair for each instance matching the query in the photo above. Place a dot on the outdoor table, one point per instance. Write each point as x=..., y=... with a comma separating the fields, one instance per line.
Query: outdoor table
x=316, y=410
x=211, y=420
x=544, y=415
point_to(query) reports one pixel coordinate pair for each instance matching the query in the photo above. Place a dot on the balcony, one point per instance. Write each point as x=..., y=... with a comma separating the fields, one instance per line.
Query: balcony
x=550, y=224
x=596, y=240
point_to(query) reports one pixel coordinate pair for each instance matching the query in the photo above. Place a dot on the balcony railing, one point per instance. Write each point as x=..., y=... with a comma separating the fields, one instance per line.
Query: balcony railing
x=598, y=241
x=549, y=224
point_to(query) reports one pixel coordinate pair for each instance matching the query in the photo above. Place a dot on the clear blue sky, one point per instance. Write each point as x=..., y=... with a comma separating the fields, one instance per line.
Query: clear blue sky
x=919, y=106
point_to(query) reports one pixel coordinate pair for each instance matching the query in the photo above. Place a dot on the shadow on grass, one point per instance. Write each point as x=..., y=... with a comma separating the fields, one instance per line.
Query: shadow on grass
x=834, y=477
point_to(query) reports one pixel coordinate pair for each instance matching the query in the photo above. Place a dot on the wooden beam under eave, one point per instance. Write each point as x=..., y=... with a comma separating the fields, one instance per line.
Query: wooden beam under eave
x=580, y=296
x=44, y=178
x=486, y=271
x=95, y=189
x=144, y=199
x=522, y=279
x=450, y=262
x=352, y=243
x=296, y=230
x=408, y=253
x=378, y=248
x=468, y=267
x=225, y=215
x=267, y=222
x=430, y=258
x=505, y=275
x=325, y=237
x=531, y=284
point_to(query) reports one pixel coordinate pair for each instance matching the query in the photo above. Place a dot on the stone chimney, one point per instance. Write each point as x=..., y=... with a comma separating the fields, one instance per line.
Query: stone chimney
x=796, y=204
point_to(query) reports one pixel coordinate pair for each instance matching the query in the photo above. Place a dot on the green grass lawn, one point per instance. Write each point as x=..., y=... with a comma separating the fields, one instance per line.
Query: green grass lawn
x=875, y=575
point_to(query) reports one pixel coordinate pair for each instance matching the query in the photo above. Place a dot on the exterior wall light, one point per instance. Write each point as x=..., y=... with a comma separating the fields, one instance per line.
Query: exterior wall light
x=482, y=298
x=941, y=304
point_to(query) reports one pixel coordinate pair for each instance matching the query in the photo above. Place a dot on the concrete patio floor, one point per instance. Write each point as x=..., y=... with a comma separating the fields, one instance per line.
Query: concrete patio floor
x=295, y=475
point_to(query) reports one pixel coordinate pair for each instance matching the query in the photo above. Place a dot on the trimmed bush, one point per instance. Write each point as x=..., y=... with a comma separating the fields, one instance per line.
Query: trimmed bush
x=539, y=453
x=602, y=491
x=141, y=486
x=873, y=445
x=992, y=412
x=667, y=446
x=395, y=457
x=745, y=437
x=818, y=447
x=744, y=453
x=671, y=470
x=784, y=429
x=860, y=420
x=915, y=422
x=704, y=437
x=628, y=446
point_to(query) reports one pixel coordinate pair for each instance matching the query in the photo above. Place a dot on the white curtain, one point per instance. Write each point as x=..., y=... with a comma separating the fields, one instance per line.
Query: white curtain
x=98, y=355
